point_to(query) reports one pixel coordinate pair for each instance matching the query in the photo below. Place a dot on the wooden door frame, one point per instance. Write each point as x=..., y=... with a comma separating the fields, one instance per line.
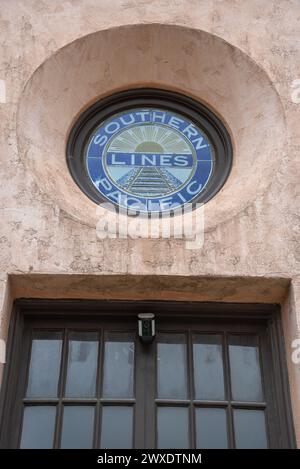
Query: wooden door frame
x=268, y=315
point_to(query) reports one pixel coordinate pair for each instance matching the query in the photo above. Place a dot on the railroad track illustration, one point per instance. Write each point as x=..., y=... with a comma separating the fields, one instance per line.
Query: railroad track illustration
x=149, y=181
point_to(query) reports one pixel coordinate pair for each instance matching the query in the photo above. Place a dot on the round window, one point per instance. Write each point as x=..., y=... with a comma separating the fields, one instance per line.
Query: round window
x=149, y=151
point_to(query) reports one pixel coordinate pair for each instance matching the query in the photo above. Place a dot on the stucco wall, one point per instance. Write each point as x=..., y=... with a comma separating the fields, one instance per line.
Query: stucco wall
x=238, y=56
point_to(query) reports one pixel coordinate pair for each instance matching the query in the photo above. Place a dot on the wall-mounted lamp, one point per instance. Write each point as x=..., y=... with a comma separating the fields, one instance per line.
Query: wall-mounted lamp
x=146, y=323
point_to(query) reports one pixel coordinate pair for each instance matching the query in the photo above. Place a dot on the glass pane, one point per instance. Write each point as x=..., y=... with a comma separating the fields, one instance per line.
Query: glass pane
x=211, y=428
x=245, y=368
x=172, y=427
x=116, y=429
x=78, y=427
x=82, y=364
x=250, y=429
x=208, y=367
x=118, y=366
x=38, y=427
x=44, y=364
x=171, y=367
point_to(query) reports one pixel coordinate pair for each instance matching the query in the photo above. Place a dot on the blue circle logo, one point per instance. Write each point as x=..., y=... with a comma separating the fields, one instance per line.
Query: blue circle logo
x=150, y=160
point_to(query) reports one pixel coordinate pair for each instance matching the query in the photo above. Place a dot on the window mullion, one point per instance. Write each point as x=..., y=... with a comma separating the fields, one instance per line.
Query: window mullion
x=61, y=387
x=230, y=428
x=98, y=409
x=190, y=372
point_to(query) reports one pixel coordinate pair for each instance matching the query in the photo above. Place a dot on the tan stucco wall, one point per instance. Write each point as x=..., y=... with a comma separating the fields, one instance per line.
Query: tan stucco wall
x=238, y=56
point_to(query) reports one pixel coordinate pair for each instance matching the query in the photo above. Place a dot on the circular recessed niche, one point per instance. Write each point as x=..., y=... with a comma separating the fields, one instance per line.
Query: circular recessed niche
x=202, y=66
x=150, y=151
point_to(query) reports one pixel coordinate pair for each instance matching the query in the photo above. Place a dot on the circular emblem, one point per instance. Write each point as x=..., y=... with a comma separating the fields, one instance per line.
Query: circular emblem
x=157, y=152
x=149, y=160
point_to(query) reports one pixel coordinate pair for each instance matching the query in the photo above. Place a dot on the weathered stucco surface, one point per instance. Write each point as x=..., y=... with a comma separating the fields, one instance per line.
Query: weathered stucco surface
x=238, y=56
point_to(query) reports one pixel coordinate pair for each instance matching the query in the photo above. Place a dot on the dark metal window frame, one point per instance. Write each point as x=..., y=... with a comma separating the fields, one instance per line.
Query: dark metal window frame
x=216, y=317
x=199, y=114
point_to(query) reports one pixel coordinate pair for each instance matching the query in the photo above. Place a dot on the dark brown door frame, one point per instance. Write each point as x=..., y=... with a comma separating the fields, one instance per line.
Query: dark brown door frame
x=126, y=311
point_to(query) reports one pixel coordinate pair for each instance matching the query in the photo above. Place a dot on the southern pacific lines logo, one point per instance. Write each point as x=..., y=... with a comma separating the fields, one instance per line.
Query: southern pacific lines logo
x=149, y=160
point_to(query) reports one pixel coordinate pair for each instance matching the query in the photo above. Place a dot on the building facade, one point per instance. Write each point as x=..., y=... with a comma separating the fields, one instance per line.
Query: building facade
x=225, y=353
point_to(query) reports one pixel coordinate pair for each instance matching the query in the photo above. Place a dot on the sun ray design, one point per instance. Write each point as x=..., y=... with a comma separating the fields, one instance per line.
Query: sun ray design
x=168, y=139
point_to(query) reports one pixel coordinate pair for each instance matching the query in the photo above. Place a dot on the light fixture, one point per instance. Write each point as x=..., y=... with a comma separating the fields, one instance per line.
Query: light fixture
x=146, y=323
